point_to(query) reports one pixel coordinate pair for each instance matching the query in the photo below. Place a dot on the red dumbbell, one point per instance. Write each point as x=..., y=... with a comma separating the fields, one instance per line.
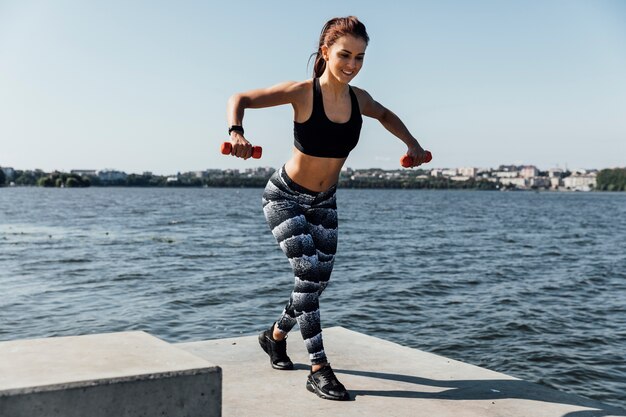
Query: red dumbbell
x=227, y=147
x=406, y=161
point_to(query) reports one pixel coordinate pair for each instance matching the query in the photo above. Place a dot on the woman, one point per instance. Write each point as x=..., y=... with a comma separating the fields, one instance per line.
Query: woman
x=299, y=200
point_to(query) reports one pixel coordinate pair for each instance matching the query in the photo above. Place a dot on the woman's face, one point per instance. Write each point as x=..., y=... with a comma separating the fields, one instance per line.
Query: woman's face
x=344, y=58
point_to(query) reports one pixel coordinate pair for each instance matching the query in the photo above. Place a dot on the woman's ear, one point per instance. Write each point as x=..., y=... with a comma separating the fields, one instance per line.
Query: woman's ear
x=324, y=50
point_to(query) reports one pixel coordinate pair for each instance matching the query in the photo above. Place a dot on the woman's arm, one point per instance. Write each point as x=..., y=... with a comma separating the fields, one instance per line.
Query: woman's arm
x=283, y=93
x=391, y=122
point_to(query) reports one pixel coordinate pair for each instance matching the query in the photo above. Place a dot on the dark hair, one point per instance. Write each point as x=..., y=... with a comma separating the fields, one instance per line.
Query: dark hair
x=334, y=29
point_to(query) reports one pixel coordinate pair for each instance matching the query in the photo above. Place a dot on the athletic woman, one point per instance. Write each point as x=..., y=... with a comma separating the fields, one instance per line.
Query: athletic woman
x=299, y=200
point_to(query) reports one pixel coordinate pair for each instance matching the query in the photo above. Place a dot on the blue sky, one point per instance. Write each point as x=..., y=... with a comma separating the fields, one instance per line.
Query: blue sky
x=142, y=85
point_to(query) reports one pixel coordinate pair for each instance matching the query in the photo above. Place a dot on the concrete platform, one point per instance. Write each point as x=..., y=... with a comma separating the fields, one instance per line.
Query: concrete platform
x=127, y=374
x=385, y=379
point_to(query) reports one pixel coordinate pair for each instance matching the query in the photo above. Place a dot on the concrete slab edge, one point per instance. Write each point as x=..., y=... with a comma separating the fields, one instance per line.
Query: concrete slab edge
x=110, y=381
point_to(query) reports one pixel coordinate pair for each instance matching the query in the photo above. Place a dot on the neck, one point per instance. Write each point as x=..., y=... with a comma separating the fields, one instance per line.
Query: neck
x=332, y=85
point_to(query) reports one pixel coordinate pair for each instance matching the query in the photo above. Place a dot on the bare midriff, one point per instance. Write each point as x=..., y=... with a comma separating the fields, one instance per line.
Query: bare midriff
x=312, y=172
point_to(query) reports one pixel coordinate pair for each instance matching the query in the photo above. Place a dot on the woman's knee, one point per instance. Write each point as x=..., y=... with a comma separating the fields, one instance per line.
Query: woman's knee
x=305, y=302
x=300, y=244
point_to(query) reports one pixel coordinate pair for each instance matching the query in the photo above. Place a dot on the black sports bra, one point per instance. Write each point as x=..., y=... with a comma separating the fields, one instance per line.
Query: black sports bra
x=324, y=138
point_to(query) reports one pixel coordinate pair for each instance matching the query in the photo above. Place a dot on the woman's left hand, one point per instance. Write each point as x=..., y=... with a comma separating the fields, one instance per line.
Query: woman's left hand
x=417, y=154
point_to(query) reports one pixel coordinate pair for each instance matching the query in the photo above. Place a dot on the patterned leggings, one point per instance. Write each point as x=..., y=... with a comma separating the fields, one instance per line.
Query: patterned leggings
x=304, y=224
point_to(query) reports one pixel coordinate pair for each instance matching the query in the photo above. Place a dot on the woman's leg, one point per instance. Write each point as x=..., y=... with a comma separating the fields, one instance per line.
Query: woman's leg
x=305, y=226
x=285, y=212
x=322, y=220
x=323, y=227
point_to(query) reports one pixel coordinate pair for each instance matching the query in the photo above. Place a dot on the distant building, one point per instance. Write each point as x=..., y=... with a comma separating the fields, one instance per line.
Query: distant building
x=231, y=173
x=507, y=168
x=451, y=172
x=484, y=173
x=213, y=173
x=468, y=172
x=518, y=182
x=259, y=172
x=539, y=182
x=555, y=182
x=529, y=171
x=580, y=182
x=87, y=172
x=109, y=175
x=555, y=173
x=505, y=174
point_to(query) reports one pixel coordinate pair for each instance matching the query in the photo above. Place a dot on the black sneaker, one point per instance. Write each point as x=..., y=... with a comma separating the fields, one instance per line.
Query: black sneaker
x=325, y=384
x=277, y=350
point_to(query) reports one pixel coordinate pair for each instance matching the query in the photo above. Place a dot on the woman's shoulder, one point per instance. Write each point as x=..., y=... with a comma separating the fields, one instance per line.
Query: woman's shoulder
x=300, y=86
x=294, y=89
x=362, y=96
x=300, y=92
x=360, y=93
x=295, y=85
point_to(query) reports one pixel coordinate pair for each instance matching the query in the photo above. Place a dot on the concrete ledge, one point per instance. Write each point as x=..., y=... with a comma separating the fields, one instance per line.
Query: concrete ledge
x=125, y=374
x=384, y=378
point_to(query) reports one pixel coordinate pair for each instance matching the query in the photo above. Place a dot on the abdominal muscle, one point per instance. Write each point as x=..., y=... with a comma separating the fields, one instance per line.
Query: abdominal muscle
x=314, y=173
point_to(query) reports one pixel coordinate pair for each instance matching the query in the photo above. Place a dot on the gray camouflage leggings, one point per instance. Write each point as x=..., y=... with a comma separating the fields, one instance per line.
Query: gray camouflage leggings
x=304, y=224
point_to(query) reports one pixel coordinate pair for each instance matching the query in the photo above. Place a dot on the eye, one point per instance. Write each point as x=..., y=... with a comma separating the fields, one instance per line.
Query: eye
x=359, y=58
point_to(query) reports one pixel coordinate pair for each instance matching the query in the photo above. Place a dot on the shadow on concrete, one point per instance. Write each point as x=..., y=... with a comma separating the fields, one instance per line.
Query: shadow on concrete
x=490, y=389
x=301, y=367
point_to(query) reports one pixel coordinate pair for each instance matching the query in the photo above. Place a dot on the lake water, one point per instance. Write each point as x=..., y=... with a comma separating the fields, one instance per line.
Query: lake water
x=529, y=284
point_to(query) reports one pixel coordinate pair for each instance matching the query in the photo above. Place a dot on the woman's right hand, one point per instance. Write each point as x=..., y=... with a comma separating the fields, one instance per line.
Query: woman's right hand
x=241, y=147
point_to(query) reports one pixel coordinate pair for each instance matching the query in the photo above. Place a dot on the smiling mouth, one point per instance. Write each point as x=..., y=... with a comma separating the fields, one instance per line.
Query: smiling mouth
x=348, y=73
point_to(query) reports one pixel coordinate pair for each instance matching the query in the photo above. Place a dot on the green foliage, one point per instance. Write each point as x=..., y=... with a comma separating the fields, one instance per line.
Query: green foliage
x=611, y=180
x=72, y=182
x=2, y=177
x=134, y=180
x=93, y=180
x=28, y=177
x=45, y=182
x=62, y=179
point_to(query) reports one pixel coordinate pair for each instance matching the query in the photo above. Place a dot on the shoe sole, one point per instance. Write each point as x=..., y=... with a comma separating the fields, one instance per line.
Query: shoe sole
x=319, y=393
x=265, y=346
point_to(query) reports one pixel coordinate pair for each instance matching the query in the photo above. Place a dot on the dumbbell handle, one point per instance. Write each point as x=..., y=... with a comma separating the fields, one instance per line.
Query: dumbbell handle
x=406, y=161
x=227, y=147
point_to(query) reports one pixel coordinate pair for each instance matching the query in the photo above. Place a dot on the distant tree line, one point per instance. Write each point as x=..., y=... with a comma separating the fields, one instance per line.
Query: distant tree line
x=415, y=183
x=62, y=179
x=607, y=180
x=144, y=180
x=245, y=182
x=24, y=177
x=611, y=180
